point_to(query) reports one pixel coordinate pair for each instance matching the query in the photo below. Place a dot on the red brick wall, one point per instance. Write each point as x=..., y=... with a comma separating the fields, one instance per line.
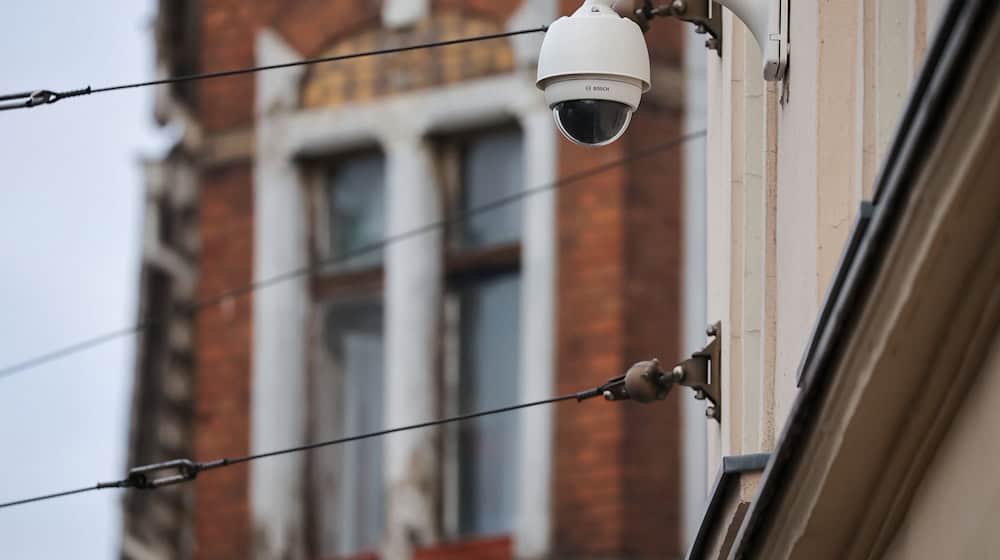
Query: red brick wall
x=653, y=260
x=588, y=474
x=224, y=332
x=616, y=470
x=222, y=388
x=651, y=450
x=228, y=28
x=497, y=10
x=310, y=25
x=616, y=486
x=498, y=548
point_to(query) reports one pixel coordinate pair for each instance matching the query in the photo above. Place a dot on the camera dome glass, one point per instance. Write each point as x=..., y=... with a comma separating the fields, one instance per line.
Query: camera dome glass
x=594, y=122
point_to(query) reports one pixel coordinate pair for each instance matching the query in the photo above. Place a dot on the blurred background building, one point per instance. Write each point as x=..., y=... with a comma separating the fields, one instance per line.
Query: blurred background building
x=305, y=170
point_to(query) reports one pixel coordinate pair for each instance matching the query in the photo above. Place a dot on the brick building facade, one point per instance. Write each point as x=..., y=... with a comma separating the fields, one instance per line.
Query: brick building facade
x=592, y=268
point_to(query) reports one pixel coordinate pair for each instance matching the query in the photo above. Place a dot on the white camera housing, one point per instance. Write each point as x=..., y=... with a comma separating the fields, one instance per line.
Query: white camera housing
x=593, y=68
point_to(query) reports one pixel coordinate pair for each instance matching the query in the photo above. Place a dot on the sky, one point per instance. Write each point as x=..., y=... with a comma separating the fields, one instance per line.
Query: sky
x=70, y=222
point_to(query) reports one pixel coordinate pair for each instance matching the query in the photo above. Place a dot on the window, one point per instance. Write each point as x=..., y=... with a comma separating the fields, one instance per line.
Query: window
x=482, y=333
x=346, y=492
x=354, y=341
x=481, y=341
x=488, y=378
x=355, y=211
x=491, y=171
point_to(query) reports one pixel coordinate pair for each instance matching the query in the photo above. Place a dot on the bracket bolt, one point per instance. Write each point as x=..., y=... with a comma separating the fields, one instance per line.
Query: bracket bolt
x=710, y=330
x=678, y=6
x=700, y=29
x=710, y=411
x=699, y=394
x=608, y=396
x=712, y=44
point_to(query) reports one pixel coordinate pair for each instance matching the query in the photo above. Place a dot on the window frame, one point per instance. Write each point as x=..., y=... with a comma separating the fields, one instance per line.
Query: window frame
x=462, y=266
x=448, y=151
x=329, y=282
x=330, y=286
x=323, y=411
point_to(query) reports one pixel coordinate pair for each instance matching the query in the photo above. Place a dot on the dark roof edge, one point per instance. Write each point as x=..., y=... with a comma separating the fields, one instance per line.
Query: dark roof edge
x=948, y=57
x=858, y=231
x=732, y=466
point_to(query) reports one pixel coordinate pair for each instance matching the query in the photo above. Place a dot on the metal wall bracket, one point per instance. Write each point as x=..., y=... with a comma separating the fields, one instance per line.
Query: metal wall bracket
x=702, y=372
x=704, y=14
x=707, y=19
x=767, y=20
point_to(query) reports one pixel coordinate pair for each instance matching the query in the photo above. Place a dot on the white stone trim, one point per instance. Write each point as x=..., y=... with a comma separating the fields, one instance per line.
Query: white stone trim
x=413, y=309
x=532, y=521
x=277, y=90
x=531, y=13
x=462, y=106
x=401, y=13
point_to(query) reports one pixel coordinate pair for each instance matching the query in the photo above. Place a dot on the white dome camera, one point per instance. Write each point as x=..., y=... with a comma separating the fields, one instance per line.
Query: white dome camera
x=594, y=68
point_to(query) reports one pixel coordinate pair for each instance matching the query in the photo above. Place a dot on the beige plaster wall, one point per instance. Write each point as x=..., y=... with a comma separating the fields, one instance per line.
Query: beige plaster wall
x=956, y=510
x=738, y=201
x=717, y=224
x=788, y=166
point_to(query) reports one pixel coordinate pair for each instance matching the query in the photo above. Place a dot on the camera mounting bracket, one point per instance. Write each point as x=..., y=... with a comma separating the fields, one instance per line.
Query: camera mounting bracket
x=705, y=15
x=767, y=20
x=703, y=372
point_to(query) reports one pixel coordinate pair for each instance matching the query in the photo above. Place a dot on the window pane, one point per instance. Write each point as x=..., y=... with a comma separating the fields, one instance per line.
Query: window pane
x=488, y=378
x=356, y=203
x=492, y=170
x=354, y=339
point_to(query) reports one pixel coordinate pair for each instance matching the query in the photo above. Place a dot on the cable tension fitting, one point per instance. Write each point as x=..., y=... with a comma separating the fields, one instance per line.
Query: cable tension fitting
x=646, y=381
x=38, y=97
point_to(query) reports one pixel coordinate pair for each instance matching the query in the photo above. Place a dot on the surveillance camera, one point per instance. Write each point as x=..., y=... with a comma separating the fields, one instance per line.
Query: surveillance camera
x=593, y=68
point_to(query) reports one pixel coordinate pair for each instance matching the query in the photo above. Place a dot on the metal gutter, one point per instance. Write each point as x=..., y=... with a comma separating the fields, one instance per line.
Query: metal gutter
x=954, y=46
x=729, y=472
x=858, y=232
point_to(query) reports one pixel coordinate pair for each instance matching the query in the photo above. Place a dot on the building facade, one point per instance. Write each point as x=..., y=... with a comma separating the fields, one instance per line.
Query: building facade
x=852, y=257
x=290, y=321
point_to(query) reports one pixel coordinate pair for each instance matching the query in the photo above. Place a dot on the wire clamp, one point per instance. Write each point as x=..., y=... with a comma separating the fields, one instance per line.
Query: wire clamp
x=38, y=97
x=612, y=390
x=41, y=97
x=646, y=381
x=183, y=471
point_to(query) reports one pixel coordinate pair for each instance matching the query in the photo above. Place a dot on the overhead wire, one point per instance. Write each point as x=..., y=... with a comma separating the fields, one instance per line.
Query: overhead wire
x=35, y=98
x=228, y=295
x=50, y=496
x=186, y=470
